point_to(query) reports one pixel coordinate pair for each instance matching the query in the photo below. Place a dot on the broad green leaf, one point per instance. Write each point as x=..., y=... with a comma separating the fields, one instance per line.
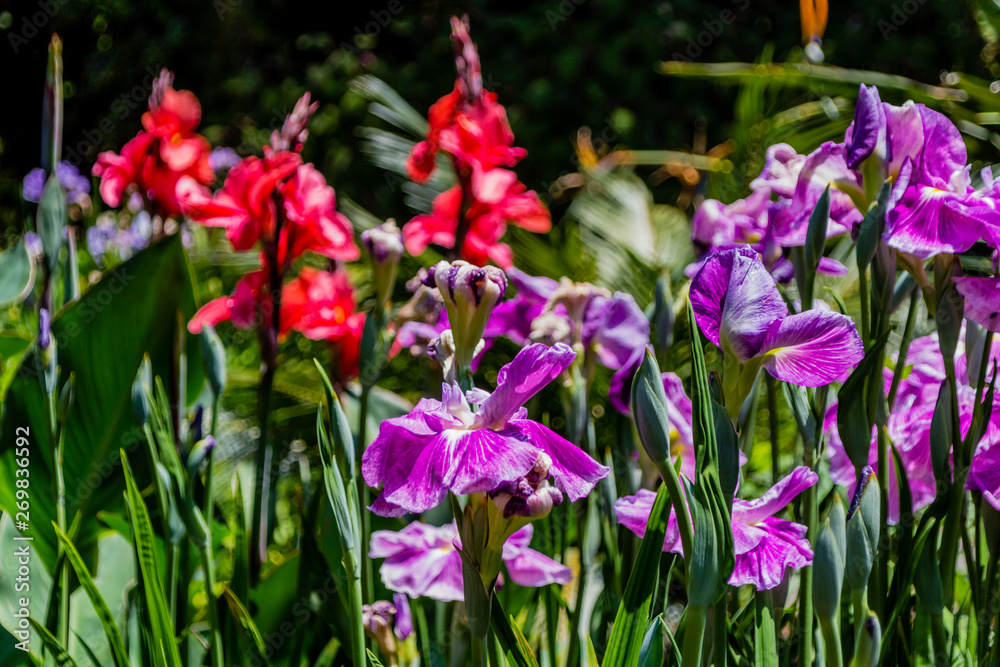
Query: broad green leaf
x=101, y=339
x=17, y=274
x=625, y=642
x=164, y=645
x=765, y=647
x=104, y=614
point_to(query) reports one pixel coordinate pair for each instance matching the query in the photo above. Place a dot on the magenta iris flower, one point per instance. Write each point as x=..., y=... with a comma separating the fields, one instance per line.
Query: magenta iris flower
x=765, y=545
x=612, y=327
x=444, y=445
x=982, y=300
x=738, y=307
x=424, y=561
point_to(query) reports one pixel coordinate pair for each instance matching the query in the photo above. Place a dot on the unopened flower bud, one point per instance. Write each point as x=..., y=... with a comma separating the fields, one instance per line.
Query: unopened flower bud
x=649, y=410
x=470, y=293
x=385, y=246
x=378, y=619
x=44, y=329
x=575, y=298
x=869, y=644
x=530, y=496
x=863, y=530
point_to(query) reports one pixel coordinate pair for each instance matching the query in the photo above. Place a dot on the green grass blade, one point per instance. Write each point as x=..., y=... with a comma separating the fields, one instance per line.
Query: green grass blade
x=118, y=653
x=62, y=658
x=162, y=635
x=510, y=638
x=625, y=642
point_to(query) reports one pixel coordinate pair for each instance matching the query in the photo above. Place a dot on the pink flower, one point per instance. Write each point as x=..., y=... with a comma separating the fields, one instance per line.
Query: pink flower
x=312, y=220
x=766, y=546
x=442, y=446
x=423, y=561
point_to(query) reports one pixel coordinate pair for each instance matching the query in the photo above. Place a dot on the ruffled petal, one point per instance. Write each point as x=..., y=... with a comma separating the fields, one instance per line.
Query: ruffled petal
x=982, y=300
x=534, y=367
x=782, y=545
x=633, y=513
x=927, y=221
x=575, y=473
x=531, y=568
x=813, y=348
x=776, y=498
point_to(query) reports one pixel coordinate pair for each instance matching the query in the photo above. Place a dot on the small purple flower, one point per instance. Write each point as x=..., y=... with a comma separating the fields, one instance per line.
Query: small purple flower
x=444, y=446
x=738, y=307
x=222, y=158
x=424, y=561
x=766, y=546
x=77, y=186
x=744, y=221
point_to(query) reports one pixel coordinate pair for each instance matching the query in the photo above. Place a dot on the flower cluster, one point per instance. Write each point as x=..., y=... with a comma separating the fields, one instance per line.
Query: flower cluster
x=470, y=127
x=166, y=150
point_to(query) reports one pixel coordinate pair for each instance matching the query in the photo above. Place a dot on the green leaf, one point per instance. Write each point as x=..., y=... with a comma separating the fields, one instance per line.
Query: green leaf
x=164, y=645
x=765, y=647
x=104, y=355
x=17, y=274
x=510, y=639
x=651, y=653
x=61, y=657
x=625, y=642
x=853, y=421
x=872, y=227
x=51, y=220
x=814, y=247
x=118, y=653
x=242, y=614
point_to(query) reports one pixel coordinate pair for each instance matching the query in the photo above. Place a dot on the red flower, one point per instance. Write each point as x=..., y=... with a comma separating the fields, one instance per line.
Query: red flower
x=487, y=223
x=167, y=150
x=312, y=221
x=469, y=125
x=245, y=205
x=242, y=307
x=320, y=305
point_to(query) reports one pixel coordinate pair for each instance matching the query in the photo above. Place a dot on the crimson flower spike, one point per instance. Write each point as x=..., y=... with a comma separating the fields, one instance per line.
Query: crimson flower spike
x=470, y=75
x=293, y=131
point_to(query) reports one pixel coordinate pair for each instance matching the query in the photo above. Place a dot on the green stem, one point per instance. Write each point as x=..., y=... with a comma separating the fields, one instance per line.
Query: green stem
x=952, y=526
x=354, y=600
x=863, y=293
x=208, y=563
x=830, y=627
x=479, y=651
x=881, y=569
x=367, y=575
x=423, y=634
x=720, y=634
x=258, y=526
x=939, y=640
x=772, y=423
x=575, y=641
x=859, y=597
x=694, y=636
x=904, y=346
x=63, y=627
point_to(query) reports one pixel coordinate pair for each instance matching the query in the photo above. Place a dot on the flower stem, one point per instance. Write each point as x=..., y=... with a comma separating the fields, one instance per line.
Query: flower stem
x=956, y=504
x=479, y=651
x=904, y=346
x=367, y=576
x=830, y=627
x=720, y=633
x=772, y=423
x=208, y=563
x=694, y=636
x=354, y=600
x=863, y=294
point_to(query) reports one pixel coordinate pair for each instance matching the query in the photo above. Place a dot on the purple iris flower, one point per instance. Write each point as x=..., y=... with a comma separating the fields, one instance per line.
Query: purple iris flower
x=424, y=561
x=765, y=545
x=738, y=307
x=982, y=300
x=444, y=446
x=611, y=327
x=744, y=221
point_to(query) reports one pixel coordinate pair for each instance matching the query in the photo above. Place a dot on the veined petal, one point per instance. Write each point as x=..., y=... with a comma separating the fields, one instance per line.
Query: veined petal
x=982, y=300
x=774, y=499
x=534, y=367
x=531, y=568
x=867, y=134
x=735, y=300
x=633, y=513
x=943, y=151
x=518, y=541
x=813, y=348
x=575, y=473
x=927, y=221
x=782, y=545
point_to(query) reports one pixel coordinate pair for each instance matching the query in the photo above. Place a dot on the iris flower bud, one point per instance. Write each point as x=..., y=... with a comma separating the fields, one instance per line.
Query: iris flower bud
x=385, y=246
x=470, y=293
x=529, y=496
x=863, y=530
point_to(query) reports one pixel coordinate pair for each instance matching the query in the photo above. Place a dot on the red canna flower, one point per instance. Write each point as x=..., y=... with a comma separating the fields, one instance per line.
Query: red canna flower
x=159, y=156
x=471, y=127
